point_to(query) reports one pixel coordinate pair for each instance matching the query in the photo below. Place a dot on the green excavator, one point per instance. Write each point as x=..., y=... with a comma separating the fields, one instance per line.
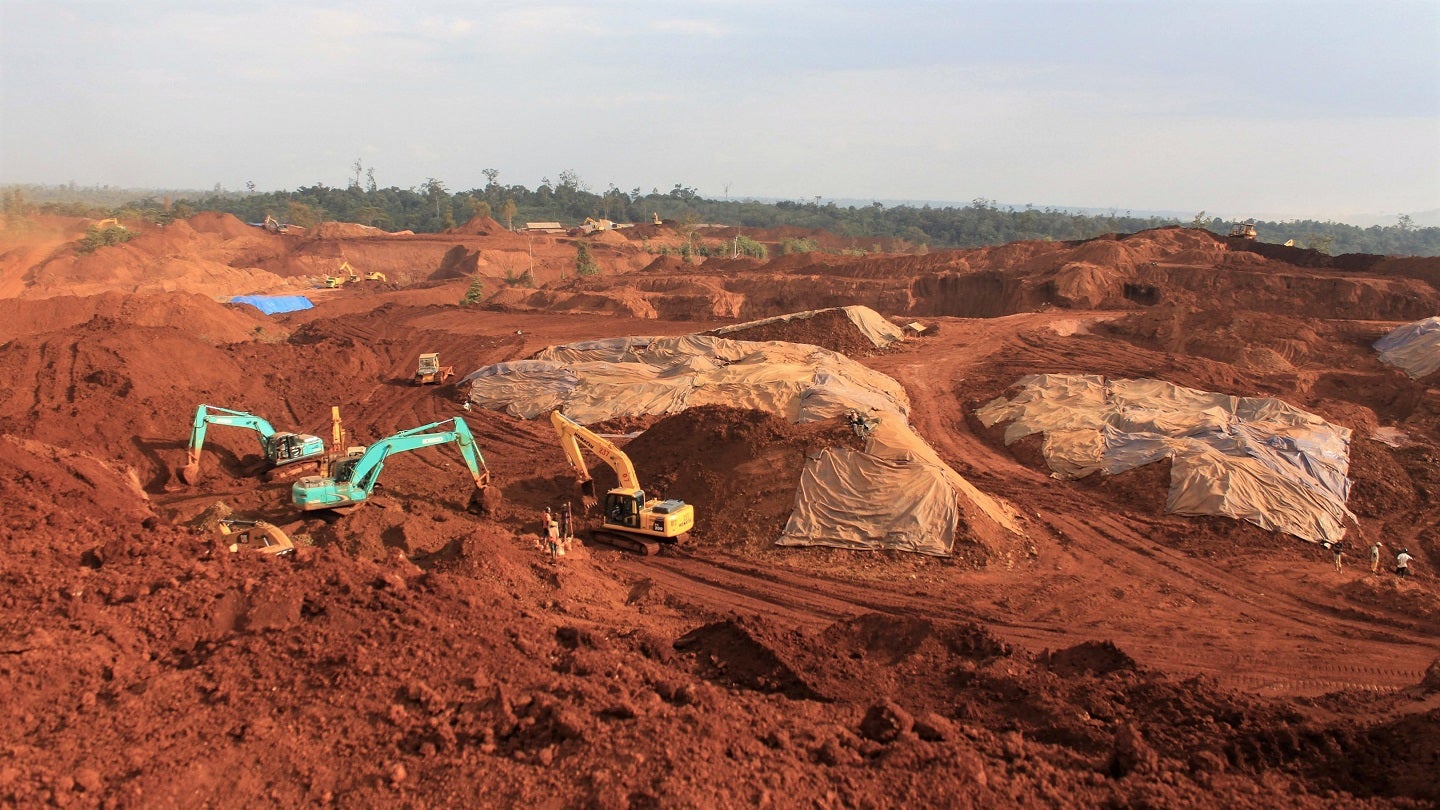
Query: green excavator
x=279, y=449
x=354, y=478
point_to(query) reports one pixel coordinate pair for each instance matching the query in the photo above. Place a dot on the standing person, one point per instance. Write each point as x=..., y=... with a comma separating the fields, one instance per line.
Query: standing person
x=544, y=530
x=1375, y=557
x=552, y=537
x=1337, y=548
x=1402, y=563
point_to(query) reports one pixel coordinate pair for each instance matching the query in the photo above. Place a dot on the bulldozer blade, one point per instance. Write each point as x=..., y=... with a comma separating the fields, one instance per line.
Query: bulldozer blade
x=190, y=474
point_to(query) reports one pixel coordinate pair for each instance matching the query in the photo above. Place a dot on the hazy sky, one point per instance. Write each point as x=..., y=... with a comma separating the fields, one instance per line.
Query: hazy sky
x=1273, y=109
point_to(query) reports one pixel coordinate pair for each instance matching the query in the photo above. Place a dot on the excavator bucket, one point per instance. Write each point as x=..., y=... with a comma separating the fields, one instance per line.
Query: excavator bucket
x=190, y=474
x=587, y=494
x=484, y=501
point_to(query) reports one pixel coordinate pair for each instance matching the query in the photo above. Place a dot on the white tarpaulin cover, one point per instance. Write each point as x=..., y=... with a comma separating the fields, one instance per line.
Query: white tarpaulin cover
x=1254, y=458
x=897, y=494
x=1413, y=348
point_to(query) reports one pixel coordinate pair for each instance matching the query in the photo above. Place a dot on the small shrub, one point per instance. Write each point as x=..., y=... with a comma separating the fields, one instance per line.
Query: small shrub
x=475, y=293
x=96, y=238
x=585, y=265
x=745, y=246
x=804, y=245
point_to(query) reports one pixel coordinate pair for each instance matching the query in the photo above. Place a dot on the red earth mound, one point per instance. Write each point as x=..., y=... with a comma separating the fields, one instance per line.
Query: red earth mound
x=414, y=653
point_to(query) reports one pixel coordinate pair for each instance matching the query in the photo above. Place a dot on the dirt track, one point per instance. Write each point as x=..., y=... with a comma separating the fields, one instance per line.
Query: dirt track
x=415, y=654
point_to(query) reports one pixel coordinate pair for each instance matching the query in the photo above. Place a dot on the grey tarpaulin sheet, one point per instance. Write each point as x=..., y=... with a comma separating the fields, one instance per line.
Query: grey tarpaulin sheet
x=897, y=494
x=1254, y=458
x=1413, y=348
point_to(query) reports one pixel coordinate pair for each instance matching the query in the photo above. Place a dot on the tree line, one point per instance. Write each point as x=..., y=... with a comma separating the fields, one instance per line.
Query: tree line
x=432, y=207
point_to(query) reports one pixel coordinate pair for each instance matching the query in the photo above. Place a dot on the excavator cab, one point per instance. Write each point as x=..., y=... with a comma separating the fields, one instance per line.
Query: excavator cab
x=287, y=447
x=622, y=508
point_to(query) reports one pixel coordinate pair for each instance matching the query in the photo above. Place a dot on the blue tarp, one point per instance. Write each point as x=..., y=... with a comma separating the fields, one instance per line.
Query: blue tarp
x=272, y=304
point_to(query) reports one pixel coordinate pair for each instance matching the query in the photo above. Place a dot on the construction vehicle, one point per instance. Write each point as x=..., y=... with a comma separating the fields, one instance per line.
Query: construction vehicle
x=1243, y=230
x=655, y=215
x=278, y=449
x=628, y=519
x=253, y=535
x=429, y=370
x=273, y=225
x=351, y=276
x=111, y=222
x=353, y=478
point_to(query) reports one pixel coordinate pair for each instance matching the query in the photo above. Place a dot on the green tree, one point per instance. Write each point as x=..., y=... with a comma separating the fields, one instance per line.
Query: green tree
x=585, y=263
x=1325, y=243
x=475, y=293
x=436, y=192
x=477, y=206
x=298, y=213
x=745, y=246
x=96, y=238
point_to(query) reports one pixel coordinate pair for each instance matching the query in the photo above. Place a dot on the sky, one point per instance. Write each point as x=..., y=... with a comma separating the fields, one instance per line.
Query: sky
x=1270, y=108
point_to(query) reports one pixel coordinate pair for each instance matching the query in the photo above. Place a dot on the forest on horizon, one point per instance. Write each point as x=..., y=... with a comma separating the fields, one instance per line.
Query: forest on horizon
x=432, y=207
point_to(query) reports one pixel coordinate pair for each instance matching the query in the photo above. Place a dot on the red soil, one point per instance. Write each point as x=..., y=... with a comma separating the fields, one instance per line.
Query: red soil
x=415, y=654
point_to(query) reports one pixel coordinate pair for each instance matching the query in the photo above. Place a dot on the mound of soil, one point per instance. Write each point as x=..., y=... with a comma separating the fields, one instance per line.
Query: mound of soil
x=830, y=329
x=414, y=653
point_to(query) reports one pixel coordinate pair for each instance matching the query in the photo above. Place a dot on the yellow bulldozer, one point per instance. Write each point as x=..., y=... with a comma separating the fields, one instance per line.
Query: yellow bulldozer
x=429, y=371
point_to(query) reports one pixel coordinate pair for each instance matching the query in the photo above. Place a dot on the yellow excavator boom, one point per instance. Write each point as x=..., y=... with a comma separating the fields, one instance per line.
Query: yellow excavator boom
x=628, y=518
x=572, y=434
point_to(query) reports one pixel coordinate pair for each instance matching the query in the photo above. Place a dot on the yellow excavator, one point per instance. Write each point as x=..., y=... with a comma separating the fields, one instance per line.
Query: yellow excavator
x=351, y=276
x=628, y=519
x=253, y=535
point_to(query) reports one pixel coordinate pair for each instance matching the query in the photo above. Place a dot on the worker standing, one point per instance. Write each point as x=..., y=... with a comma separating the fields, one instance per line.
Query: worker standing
x=552, y=536
x=1337, y=548
x=1402, y=563
x=1375, y=557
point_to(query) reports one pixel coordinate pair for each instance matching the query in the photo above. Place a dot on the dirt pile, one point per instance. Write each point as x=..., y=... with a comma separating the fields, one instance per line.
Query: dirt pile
x=413, y=653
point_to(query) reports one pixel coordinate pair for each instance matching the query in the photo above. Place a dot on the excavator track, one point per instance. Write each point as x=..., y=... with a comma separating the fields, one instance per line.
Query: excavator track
x=297, y=469
x=627, y=542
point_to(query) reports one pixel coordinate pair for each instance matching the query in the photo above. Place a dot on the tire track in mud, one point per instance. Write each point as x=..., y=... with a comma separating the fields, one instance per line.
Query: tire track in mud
x=813, y=602
x=1279, y=616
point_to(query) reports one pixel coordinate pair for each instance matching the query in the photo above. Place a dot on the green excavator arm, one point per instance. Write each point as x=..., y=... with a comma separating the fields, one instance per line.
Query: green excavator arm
x=353, y=480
